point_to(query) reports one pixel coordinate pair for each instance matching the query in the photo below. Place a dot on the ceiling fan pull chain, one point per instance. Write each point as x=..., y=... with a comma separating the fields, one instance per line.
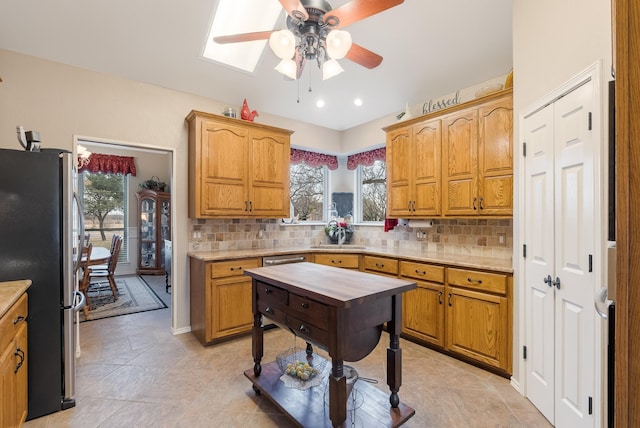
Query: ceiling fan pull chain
x=298, y=101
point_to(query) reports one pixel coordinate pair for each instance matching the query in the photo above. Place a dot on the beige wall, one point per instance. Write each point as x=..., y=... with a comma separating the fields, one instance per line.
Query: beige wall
x=61, y=102
x=553, y=41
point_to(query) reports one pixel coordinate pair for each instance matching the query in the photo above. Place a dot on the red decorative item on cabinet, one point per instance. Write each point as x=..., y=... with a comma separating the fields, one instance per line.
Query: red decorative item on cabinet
x=247, y=114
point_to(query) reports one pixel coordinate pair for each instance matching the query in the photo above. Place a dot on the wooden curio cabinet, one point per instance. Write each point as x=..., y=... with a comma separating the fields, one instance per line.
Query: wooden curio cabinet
x=154, y=227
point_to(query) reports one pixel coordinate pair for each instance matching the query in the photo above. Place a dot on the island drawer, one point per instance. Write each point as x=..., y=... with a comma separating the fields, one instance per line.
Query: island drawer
x=233, y=267
x=274, y=313
x=309, y=310
x=381, y=264
x=270, y=295
x=484, y=281
x=351, y=261
x=307, y=330
x=422, y=271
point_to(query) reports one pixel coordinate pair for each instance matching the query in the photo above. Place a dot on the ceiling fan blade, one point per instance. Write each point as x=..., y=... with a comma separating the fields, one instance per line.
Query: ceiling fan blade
x=356, y=10
x=245, y=37
x=363, y=56
x=291, y=5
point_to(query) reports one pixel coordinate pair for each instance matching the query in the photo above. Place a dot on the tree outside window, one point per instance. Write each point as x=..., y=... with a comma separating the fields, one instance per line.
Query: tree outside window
x=373, y=191
x=308, y=190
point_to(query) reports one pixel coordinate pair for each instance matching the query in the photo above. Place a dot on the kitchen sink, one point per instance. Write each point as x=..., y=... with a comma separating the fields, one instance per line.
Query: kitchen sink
x=339, y=247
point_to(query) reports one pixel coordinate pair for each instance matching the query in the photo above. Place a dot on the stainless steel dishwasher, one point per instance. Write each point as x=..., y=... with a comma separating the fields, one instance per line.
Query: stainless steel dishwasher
x=280, y=260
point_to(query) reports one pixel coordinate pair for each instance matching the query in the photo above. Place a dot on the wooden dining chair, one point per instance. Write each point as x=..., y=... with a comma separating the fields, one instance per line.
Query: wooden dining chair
x=83, y=285
x=98, y=273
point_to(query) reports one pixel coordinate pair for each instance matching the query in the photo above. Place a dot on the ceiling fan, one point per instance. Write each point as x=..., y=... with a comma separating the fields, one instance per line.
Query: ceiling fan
x=314, y=33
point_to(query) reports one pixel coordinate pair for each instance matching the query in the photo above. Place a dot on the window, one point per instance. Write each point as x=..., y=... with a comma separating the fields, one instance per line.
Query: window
x=105, y=208
x=371, y=191
x=309, y=190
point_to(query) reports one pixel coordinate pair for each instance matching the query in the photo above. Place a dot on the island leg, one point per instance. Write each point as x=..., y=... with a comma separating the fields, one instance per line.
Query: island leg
x=394, y=353
x=257, y=343
x=337, y=394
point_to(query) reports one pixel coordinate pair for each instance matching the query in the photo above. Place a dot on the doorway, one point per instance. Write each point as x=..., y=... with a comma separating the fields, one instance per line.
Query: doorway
x=151, y=163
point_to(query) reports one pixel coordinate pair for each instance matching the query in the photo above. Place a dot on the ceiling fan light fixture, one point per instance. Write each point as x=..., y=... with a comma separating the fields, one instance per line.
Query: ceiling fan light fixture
x=338, y=44
x=331, y=68
x=283, y=43
x=288, y=68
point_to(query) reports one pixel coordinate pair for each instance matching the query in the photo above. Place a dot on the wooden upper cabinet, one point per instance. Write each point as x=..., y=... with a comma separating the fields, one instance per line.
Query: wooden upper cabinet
x=477, y=170
x=413, y=168
x=495, y=156
x=237, y=168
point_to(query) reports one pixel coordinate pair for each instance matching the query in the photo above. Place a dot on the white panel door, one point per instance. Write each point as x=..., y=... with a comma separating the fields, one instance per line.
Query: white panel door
x=560, y=236
x=575, y=242
x=539, y=238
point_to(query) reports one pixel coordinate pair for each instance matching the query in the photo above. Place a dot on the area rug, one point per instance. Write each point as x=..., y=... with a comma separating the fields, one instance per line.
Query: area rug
x=134, y=295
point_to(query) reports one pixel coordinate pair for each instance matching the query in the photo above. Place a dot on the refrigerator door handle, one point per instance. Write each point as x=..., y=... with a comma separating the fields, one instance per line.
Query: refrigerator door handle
x=81, y=301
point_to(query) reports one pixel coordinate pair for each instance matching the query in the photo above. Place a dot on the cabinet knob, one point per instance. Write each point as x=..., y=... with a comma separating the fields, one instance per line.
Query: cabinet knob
x=305, y=305
x=474, y=203
x=380, y=265
x=269, y=310
x=556, y=283
x=18, y=353
x=474, y=281
x=267, y=291
x=548, y=281
x=336, y=262
x=421, y=272
x=440, y=297
x=304, y=328
x=450, y=300
x=481, y=202
x=18, y=319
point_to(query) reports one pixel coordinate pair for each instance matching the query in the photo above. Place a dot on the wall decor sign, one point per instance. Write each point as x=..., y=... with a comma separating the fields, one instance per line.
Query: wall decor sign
x=439, y=104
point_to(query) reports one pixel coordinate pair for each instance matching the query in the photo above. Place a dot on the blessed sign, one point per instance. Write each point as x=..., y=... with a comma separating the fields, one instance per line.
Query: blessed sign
x=434, y=105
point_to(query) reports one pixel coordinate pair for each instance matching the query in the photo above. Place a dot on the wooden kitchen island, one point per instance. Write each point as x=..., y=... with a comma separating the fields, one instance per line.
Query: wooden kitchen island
x=343, y=312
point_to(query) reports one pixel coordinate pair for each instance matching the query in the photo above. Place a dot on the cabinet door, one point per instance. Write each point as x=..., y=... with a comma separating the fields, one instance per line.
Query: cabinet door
x=224, y=179
x=269, y=174
x=399, y=161
x=8, y=387
x=477, y=326
x=148, y=234
x=460, y=163
x=231, y=307
x=495, y=157
x=348, y=261
x=423, y=313
x=21, y=375
x=426, y=168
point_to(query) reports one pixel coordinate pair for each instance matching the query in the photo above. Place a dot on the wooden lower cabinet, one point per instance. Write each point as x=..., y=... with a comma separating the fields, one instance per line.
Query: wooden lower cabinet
x=380, y=265
x=423, y=308
x=221, y=299
x=13, y=365
x=479, y=317
x=347, y=261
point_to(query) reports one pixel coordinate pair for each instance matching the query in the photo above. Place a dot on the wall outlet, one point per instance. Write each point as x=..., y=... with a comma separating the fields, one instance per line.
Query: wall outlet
x=502, y=239
x=420, y=235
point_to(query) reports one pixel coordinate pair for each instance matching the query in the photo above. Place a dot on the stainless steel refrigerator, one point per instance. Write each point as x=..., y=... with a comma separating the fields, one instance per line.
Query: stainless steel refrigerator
x=40, y=222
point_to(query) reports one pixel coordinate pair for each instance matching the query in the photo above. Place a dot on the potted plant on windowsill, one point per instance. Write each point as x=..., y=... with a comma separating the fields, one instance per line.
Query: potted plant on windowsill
x=339, y=232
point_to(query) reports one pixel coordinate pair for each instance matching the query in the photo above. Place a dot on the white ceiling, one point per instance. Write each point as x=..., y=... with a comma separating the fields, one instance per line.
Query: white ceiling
x=430, y=48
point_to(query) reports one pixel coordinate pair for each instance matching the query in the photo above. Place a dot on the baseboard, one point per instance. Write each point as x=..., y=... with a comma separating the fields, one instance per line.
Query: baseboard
x=177, y=331
x=516, y=385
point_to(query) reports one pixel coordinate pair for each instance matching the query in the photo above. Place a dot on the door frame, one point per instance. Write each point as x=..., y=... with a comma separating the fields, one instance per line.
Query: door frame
x=593, y=73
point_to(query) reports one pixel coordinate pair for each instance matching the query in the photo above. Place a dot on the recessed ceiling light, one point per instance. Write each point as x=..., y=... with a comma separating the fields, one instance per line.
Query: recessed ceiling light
x=320, y=103
x=358, y=102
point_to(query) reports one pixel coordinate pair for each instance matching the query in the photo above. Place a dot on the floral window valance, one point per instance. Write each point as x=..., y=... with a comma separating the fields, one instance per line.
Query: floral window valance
x=110, y=164
x=314, y=159
x=366, y=158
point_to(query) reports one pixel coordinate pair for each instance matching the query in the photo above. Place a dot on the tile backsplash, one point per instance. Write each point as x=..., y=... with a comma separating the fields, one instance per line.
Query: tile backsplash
x=477, y=237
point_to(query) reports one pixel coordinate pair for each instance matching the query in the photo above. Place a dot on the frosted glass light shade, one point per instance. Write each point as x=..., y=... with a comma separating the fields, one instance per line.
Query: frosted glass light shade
x=288, y=68
x=338, y=44
x=331, y=68
x=283, y=43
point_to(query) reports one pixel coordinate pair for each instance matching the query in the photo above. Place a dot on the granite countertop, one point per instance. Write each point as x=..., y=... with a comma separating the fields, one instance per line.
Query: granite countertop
x=459, y=260
x=10, y=292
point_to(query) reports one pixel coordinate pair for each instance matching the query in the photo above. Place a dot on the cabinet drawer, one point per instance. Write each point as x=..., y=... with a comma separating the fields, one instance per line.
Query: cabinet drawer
x=12, y=320
x=339, y=260
x=307, y=330
x=273, y=312
x=381, y=264
x=271, y=296
x=484, y=281
x=233, y=267
x=309, y=310
x=422, y=271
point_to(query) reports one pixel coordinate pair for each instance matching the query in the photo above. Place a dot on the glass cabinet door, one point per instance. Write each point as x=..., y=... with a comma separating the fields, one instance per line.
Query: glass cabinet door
x=148, y=233
x=154, y=227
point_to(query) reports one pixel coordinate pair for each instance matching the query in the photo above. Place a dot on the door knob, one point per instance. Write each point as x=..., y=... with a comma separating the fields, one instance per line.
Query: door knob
x=556, y=283
x=548, y=281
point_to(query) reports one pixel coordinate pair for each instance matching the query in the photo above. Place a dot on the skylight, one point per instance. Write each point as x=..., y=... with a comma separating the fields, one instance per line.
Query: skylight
x=236, y=17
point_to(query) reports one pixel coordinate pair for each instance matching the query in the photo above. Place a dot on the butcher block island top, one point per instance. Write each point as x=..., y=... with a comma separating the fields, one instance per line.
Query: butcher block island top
x=343, y=312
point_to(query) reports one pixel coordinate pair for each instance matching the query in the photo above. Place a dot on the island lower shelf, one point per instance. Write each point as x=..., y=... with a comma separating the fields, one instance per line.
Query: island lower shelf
x=307, y=408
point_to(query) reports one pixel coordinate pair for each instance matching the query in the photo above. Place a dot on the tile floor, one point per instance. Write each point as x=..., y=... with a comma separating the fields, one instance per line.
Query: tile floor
x=133, y=373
